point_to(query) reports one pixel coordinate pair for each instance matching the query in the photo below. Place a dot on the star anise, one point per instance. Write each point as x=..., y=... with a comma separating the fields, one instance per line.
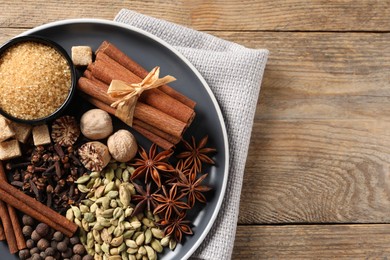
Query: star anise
x=150, y=165
x=169, y=202
x=196, y=154
x=176, y=227
x=144, y=198
x=173, y=177
x=191, y=186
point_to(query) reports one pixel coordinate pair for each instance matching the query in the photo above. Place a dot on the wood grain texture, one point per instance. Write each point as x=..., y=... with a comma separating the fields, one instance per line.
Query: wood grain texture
x=312, y=242
x=320, y=147
x=278, y=15
x=322, y=75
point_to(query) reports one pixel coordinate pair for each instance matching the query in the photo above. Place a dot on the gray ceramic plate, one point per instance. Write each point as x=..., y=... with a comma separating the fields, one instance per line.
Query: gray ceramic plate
x=151, y=51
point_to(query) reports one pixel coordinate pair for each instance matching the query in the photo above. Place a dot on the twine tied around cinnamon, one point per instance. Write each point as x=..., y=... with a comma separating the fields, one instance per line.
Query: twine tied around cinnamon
x=128, y=94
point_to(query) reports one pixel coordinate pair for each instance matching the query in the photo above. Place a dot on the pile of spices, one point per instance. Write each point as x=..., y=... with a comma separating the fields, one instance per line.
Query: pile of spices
x=171, y=191
x=108, y=227
x=35, y=80
x=44, y=242
x=47, y=173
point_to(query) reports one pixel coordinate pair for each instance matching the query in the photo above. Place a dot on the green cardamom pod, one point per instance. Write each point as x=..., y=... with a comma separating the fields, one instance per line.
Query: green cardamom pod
x=83, y=179
x=140, y=239
x=157, y=233
x=83, y=188
x=148, y=236
x=124, y=195
x=156, y=245
x=117, y=241
x=151, y=253
x=118, y=173
x=165, y=241
x=110, y=174
x=131, y=243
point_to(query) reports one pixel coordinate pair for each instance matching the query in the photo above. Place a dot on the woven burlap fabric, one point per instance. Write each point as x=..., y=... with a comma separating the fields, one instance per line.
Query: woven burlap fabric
x=234, y=74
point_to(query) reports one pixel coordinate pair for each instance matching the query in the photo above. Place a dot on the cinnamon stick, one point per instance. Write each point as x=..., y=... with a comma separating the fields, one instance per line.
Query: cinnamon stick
x=143, y=112
x=35, y=209
x=112, y=51
x=20, y=241
x=107, y=69
x=2, y=235
x=148, y=133
x=8, y=230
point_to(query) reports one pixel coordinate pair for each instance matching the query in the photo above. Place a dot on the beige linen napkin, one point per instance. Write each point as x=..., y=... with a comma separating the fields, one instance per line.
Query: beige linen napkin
x=234, y=74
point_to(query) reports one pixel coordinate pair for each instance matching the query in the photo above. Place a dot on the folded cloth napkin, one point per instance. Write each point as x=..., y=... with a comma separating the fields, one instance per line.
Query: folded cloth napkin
x=234, y=74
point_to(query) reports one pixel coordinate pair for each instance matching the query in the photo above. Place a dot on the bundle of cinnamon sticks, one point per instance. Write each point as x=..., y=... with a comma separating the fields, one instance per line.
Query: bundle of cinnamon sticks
x=161, y=115
x=11, y=199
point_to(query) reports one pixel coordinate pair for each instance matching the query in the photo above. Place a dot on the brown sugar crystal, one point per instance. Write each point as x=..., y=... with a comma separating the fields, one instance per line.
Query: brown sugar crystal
x=35, y=80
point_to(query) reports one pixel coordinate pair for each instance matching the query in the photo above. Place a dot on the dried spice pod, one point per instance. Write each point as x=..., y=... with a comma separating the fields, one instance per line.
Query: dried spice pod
x=94, y=155
x=65, y=131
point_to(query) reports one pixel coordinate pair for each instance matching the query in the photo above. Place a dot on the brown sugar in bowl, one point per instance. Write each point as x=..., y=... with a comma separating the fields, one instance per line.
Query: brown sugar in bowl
x=37, y=79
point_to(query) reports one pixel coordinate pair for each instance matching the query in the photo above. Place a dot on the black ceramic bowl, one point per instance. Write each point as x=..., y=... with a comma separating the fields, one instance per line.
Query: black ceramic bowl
x=73, y=77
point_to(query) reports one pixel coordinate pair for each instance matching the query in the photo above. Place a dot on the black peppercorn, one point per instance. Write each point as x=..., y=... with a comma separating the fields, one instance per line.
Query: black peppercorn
x=43, y=244
x=27, y=231
x=62, y=246
x=30, y=243
x=87, y=257
x=42, y=229
x=43, y=255
x=58, y=236
x=35, y=236
x=67, y=253
x=27, y=220
x=36, y=256
x=78, y=249
x=74, y=240
x=50, y=251
x=76, y=257
x=34, y=250
x=24, y=254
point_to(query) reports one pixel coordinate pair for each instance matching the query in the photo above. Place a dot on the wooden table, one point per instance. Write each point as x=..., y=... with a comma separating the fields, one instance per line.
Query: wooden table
x=317, y=178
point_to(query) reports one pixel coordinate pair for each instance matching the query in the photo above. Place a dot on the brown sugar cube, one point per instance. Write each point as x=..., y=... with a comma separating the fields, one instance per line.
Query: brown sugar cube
x=5, y=130
x=22, y=131
x=81, y=55
x=10, y=149
x=41, y=135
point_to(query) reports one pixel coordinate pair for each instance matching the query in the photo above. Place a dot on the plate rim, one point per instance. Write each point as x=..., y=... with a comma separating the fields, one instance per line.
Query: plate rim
x=218, y=207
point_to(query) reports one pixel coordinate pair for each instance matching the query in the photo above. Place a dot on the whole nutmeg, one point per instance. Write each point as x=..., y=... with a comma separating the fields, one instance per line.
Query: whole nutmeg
x=122, y=146
x=94, y=155
x=42, y=229
x=43, y=244
x=27, y=220
x=24, y=254
x=27, y=231
x=35, y=236
x=96, y=124
x=78, y=249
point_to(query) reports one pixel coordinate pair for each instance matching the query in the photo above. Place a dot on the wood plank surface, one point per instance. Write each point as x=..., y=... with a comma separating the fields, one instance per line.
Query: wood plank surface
x=334, y=171
x=312, y=242
x=320, y=144
x=231, y=15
